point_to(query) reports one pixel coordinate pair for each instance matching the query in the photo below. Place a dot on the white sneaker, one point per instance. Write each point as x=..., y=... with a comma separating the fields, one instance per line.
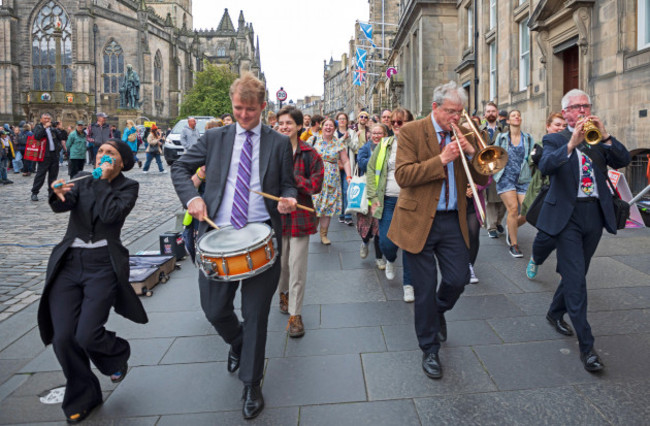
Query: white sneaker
x=145, y=171
x=163, y=171
x=390, y=270
x=363, y=251
x=409, y=295
x=381, y=264
x=473, y=279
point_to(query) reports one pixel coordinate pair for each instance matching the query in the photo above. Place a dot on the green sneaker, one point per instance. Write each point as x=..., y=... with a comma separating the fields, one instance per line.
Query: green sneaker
x=531, y=269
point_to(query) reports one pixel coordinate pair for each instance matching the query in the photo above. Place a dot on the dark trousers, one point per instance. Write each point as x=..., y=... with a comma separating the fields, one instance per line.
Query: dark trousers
x=543, y=246
x=378, y=253
x=90, y=151
x=473, y=228
x=49, y=166
x=80, y=300
x=446, y=244
x=248, y=337
x=76, y=165
x=576, y=244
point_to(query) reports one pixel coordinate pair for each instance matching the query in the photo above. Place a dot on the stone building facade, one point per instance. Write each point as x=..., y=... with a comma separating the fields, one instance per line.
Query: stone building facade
x=336, y=80
x=96, y=40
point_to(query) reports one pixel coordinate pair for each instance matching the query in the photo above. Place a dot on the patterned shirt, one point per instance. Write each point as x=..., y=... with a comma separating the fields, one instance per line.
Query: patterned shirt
x=308, y=182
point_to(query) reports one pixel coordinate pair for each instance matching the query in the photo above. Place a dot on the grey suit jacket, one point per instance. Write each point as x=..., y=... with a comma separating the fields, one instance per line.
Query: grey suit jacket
x=214, y=149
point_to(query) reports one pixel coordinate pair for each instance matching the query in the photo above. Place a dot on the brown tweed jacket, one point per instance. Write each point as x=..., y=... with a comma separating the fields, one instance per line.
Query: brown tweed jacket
x=420, y=174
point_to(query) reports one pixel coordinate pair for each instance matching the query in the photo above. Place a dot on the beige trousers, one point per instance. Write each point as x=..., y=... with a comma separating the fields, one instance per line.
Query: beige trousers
x=294, y=271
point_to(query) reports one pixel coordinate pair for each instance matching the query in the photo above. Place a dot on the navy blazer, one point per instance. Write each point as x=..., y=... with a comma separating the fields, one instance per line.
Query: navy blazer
x=214, y=150
x=564, y=173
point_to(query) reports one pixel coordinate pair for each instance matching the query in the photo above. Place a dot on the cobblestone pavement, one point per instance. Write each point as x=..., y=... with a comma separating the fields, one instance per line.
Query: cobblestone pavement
x=29, y=230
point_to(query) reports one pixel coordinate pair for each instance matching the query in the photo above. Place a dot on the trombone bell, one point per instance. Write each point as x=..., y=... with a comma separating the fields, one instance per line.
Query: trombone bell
x=490, y=160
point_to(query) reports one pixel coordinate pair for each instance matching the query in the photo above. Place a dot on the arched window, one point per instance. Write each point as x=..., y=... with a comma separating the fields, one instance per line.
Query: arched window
x=157, y=77
x=113, y=67
x=221, y=51
x=51, y=16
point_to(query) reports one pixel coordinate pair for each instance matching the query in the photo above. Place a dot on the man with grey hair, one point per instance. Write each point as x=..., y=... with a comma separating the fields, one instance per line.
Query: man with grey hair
x=190, y=134
x=50, y=164
x=579, y=204
x=98, y=133
x=430, y=219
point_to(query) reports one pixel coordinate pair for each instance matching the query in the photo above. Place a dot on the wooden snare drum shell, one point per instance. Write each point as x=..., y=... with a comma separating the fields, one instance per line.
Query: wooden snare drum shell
x=244, y=265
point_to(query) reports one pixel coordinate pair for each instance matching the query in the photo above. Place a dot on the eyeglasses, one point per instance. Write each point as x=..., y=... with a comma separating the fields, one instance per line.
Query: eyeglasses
x=579, y=106
x=453, y=111
x=378, y=133
x=363, y=116
x=396, y=122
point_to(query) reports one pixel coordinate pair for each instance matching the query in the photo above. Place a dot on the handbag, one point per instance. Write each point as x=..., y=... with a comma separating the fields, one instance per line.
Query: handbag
x=35, y=150
x=132, y=137
x=536, y=206
x=621, y=207
x=357, y=194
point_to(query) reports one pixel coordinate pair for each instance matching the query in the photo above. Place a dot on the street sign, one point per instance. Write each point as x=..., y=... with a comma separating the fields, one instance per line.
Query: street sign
x=391, y=71
x=149, y=123
x=281, y=95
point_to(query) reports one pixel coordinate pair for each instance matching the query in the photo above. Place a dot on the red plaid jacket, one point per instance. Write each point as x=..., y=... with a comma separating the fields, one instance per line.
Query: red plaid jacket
x=308, y=182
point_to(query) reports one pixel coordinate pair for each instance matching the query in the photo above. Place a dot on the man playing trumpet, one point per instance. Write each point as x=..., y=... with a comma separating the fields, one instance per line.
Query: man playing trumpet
x=577, y=206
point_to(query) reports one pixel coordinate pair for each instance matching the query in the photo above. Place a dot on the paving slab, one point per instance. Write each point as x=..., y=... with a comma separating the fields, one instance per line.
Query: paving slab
x=337, y=341
x=174, y=389
x=526, y=329
x=324, y=287
x=16, y=326
x=397, y=375
x=26, y=347
x=323, y=262
x=625, y=403
x=9, y=367
x=313, y=380
x=636, y=261
x=195, y=349
x=491, y=281
x=609, y=273
x=460, y=333
x=398, y=412
x=162, y=324
x=143, y=352
x=269, y=417
x=482, y=307
x=515, y=271
x=366, y=314
x=559, y=406
x=619, y=322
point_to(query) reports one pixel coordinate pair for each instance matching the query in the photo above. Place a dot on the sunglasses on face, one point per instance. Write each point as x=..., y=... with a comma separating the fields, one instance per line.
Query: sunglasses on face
x=396, y=122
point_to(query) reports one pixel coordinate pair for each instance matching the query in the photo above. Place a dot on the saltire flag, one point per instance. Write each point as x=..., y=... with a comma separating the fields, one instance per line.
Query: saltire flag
x=367, y=31
x=359, y=76
x=362, y=55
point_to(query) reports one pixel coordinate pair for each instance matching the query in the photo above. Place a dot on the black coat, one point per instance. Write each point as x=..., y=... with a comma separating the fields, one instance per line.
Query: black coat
x=97, y=209
x=40, y=133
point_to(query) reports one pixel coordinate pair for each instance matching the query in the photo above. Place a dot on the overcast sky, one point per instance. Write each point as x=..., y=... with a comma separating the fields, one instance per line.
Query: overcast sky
x=295, y=36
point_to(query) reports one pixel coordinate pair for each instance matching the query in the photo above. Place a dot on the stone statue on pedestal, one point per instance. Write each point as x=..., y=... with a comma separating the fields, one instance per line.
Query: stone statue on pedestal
x=130, y=89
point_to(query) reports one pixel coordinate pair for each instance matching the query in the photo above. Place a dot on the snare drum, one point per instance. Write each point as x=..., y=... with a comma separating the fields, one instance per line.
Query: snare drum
x=229, y=254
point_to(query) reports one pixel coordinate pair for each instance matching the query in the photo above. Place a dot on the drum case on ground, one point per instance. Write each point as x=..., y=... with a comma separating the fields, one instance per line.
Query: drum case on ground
x=147, y=271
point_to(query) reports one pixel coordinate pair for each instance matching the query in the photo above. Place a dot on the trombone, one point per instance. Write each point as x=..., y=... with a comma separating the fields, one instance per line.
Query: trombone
x=487, y=161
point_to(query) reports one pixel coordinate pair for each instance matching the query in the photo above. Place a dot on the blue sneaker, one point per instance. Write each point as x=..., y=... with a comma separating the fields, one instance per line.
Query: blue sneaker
x=531, y=269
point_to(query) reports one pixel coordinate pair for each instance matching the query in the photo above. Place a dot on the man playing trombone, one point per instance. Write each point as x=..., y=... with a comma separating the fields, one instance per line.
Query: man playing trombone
x=430, y=217
x=576, y=208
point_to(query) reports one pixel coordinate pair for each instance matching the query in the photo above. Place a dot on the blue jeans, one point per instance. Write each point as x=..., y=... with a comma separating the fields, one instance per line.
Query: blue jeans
x=344, y=195
x=387, y=246
x=18, y=162
x=3, y=168
x=151, y=156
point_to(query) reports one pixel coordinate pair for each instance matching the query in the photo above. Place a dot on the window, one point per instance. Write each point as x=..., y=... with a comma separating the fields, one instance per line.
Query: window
x=51, y=16
x=524, y=55
x=643, y=24
x=470, y=28
x=113, y=67
x=493, y=71
x=493, y=14
x=157, y=77
x=221, y=51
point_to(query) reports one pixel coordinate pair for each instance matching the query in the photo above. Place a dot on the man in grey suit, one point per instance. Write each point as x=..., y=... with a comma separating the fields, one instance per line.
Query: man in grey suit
x=267, y=159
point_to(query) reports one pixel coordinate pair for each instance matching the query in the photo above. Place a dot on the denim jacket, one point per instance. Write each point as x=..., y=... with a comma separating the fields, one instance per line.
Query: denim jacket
x=502, y=140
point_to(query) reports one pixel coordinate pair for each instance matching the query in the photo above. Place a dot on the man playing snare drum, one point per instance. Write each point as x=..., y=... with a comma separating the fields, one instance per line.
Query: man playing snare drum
x=240, y=159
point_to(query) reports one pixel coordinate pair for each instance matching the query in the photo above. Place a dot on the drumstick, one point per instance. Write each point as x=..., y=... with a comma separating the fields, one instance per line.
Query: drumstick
x=210, y=222
x=273, y=197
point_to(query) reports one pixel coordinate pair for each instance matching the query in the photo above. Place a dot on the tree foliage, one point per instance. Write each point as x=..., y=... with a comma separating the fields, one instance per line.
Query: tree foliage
x=209, y=95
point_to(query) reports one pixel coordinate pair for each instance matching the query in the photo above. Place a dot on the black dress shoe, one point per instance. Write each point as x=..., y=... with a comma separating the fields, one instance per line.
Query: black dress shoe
x=560, y=325
x=81, y=416
x=431, y=366
x=591, y=361
x=442, y=334
x=233, y=361
x=253, y=401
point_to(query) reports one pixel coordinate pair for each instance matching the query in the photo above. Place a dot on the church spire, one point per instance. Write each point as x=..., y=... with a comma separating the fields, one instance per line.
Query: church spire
x=242, y=21
x=226, y=22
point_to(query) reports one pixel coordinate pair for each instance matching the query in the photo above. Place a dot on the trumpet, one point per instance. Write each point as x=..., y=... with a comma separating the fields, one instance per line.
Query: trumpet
x=591, y=132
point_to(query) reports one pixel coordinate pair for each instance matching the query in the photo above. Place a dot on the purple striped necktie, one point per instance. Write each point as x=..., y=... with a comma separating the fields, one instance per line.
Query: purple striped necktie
x=239, y=215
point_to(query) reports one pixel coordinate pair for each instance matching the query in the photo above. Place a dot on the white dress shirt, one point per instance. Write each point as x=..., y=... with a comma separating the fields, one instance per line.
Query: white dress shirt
x=256, y=208
x=581, y=194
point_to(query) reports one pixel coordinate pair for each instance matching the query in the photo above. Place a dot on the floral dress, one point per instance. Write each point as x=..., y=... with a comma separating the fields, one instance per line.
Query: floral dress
x=329, y=202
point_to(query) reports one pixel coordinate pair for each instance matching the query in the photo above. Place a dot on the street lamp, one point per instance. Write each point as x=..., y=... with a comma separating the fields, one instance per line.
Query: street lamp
x=95, y=31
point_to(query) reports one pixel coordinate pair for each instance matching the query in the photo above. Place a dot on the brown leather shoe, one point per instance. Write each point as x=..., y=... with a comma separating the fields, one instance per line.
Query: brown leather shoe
x=295, y=326
x=284, y=303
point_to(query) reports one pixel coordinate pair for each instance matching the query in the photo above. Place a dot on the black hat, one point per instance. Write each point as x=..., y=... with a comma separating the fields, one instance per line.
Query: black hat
x=125, y=153
x=503, y=113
